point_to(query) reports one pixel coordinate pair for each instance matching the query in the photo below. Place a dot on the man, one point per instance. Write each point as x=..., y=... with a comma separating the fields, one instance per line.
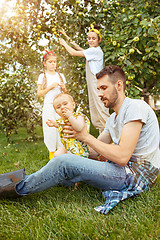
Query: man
x=133, y=158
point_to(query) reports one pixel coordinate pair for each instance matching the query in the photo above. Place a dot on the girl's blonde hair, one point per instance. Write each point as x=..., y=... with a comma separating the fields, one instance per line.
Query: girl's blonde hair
x=45, y=58
x=63, y=94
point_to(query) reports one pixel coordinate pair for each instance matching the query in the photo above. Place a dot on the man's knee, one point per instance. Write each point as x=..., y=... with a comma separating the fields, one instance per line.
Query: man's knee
x=61, y=160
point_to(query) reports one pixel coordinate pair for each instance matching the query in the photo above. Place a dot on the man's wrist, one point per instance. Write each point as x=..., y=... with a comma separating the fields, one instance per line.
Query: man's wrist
x=87, y=138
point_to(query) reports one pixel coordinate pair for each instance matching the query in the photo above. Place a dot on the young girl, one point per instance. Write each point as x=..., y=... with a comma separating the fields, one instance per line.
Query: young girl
x=64, y=106
x=94, y=64
x=50, y=84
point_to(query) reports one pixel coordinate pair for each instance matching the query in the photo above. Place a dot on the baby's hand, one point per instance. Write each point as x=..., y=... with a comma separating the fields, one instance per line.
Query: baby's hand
x=50, y=123
x=67, y=113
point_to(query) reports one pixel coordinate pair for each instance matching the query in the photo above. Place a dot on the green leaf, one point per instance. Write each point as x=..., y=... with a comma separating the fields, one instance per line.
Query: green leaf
x=144, y=22
x=151, y=31
x=157, y=48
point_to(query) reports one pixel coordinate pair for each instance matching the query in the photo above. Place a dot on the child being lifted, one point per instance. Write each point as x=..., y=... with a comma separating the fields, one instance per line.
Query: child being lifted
x=64, y=106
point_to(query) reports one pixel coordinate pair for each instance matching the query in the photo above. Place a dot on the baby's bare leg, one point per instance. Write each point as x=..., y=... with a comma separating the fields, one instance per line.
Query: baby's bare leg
x=60, y=151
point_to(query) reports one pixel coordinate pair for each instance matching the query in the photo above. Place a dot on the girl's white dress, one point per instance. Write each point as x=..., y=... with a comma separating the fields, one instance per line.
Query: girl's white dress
x=51, y=135
x=94, y=64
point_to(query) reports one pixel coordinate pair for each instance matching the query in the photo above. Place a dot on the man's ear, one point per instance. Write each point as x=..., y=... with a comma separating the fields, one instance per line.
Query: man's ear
x=119, y=85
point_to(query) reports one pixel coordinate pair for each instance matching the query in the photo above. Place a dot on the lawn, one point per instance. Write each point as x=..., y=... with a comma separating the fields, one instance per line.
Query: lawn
x=61, y=213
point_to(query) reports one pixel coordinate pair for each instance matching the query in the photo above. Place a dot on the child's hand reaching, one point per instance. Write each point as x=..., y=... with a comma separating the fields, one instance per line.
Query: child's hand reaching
x=63, y=87
x=54, y=85
x=51, y=123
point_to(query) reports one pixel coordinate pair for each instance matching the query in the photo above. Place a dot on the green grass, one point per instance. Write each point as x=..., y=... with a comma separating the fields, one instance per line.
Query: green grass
x=61, y=213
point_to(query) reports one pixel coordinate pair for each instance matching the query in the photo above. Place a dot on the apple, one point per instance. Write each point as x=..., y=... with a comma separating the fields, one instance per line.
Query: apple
x=80, y=14
x=147, y=50
x=131, y=50
x=154, y=73
x=127, y=82
x=114, y=43
x=130, y=77
x=138, y=15
x=136, y=39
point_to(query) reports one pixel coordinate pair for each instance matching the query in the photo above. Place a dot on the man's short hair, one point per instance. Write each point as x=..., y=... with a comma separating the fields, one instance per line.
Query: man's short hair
x=114, y=73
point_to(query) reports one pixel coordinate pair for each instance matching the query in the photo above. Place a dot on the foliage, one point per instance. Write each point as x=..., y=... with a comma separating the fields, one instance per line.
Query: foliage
x=17, y=106
x=158, y=115
x=61, y=213
x=130, y=39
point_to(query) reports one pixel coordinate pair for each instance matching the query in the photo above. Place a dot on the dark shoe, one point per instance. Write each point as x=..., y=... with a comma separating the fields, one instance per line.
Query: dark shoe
x=8, y=181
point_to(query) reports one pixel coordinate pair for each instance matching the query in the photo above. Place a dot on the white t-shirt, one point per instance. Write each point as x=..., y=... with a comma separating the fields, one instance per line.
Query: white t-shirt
x=147, y=147
x=95, y=58
x=49, y=97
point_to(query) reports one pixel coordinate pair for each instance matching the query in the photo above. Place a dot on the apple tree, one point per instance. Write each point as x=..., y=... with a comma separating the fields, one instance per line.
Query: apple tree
x=130, y=38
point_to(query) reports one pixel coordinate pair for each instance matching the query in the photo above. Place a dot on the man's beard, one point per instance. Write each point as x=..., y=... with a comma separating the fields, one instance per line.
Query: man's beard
x=112, y=101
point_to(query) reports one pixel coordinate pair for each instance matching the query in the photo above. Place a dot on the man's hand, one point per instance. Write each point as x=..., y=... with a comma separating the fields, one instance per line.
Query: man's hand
x=80, y=135
x=68, y=131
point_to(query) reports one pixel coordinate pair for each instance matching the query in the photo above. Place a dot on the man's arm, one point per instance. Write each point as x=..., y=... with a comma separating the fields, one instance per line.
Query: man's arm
x=103, y=137
x=121, y=153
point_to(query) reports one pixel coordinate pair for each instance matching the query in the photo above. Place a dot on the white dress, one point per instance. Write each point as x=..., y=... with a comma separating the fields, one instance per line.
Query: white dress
x=94, y=64
x=51, y=135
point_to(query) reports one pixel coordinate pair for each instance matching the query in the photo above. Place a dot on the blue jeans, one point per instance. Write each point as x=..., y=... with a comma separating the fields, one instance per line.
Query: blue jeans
x=68, y=169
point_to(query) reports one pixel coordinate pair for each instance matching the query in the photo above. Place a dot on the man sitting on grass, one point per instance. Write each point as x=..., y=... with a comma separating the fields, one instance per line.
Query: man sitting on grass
x=133, y=161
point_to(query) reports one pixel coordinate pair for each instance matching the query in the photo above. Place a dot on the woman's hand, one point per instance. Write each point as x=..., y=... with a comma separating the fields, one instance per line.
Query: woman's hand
x=62, y=31
x=62, y=41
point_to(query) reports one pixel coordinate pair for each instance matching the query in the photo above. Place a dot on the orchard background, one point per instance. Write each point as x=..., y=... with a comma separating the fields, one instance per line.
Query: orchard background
x=130, y=39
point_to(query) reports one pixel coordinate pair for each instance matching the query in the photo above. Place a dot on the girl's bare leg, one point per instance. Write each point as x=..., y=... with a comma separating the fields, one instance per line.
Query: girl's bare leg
x=60, y=151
